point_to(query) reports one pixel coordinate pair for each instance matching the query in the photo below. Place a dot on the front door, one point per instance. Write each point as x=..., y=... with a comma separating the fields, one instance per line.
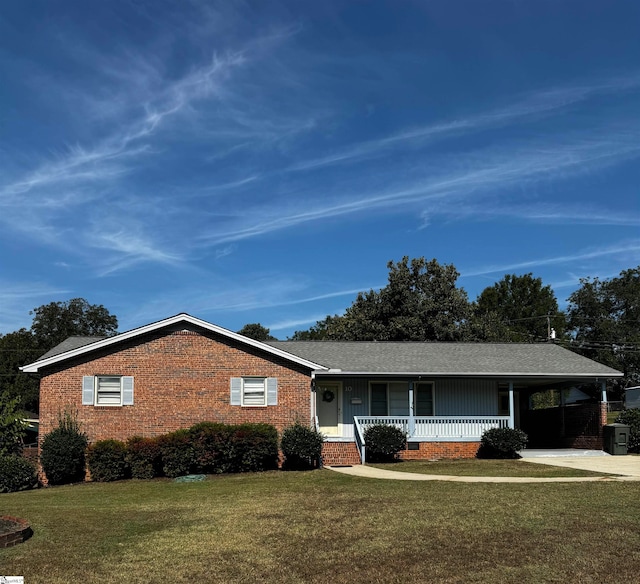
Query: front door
x=328, y=396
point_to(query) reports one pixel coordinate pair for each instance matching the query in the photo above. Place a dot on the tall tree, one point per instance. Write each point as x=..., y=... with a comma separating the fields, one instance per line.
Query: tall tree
x=256, y=331
x=56, y=321
x=604, y=319
x=519, y=309
x=17, y=349
x=318, y=331
x=419, y=303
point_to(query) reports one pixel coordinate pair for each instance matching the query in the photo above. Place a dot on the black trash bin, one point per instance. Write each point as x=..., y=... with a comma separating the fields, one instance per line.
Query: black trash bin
x=616, y=438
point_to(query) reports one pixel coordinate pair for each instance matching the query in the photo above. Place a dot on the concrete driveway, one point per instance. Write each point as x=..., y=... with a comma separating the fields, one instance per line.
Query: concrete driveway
x=628, y=466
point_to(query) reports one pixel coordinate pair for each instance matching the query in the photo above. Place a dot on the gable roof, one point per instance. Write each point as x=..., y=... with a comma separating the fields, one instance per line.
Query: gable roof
x=77, y=346
x=543, y=360
x=448, y=359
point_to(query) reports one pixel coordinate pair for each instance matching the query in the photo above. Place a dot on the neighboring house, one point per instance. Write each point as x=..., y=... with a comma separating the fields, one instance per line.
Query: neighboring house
x=182, y=370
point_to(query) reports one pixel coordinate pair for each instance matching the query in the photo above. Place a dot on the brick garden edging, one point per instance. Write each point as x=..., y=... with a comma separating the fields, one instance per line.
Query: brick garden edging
x=21, y=534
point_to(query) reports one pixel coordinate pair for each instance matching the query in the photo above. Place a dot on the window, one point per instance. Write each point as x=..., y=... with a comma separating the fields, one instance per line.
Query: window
x=254, y=391
x=378, y=399
x=107, y=390
x=423, y=396
x=392, y=399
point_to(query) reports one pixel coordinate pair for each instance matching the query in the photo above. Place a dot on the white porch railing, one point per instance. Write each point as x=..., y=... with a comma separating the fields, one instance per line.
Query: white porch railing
x=452, y=428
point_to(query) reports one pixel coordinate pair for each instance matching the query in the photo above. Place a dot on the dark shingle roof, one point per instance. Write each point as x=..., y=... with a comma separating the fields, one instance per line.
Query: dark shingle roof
x=544, y=359
x=70, y=344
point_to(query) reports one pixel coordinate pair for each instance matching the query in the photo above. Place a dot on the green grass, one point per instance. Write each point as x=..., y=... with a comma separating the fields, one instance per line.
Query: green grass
x=322, y=527
x=486, y=468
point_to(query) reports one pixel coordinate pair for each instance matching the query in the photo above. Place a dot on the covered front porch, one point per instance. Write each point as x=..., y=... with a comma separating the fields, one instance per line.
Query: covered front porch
x=441, y=417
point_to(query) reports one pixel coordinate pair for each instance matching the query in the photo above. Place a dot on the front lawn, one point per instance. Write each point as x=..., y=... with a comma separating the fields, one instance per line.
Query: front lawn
x=322, y=526
x=485, y=468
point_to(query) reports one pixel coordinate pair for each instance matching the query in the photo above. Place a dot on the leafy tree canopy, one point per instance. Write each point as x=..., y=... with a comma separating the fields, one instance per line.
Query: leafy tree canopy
x=256, y=331
x=17, y=349
x=515, y=309
x=604, y=319
x=419, y=303
x=56, y=321
x=12, y=428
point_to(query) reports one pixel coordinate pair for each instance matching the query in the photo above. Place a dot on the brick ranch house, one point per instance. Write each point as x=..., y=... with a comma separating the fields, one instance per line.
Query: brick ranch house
x=181, y=370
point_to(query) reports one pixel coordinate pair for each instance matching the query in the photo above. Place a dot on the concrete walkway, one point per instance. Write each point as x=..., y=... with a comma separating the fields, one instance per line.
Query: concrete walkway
x=628, y=467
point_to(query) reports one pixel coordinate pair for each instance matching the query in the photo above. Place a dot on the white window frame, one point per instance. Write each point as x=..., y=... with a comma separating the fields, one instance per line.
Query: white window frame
x=96, y=401
x=264, y=392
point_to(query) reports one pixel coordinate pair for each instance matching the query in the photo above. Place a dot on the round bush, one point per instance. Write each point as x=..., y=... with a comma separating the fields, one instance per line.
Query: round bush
x=252, y=448
x=63, y=456
x=144, y=458
x=210, y=442
x=301, y=446
x=632, y=419
x=107, y=461
x=502, y=443
x=383, y=442
x=16, y=474
x=177, y=453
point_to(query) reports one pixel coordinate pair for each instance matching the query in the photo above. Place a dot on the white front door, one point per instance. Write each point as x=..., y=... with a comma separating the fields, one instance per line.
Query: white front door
x=328, y=410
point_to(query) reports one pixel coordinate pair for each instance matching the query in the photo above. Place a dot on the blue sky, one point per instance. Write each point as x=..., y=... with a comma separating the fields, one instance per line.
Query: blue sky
x=262, y=161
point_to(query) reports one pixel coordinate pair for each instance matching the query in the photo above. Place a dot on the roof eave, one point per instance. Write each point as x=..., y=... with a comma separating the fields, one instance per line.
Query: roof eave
x=36, y=366
x=493, y=374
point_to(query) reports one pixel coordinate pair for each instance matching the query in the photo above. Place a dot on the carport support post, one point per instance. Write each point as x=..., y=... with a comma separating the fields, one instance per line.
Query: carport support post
x=511, y=416
x=412, y=418
x=603, y=387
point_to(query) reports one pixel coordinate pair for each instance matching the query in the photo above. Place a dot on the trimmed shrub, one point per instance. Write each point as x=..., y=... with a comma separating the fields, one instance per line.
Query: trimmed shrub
x=301, y=446
x=16, y=474
x=502, y=443
x=383, y=442
x=210, y=442
x=177, y=453
x=144, y=457
x=107, y=461
x=62, y=454
x=632, y=419
x=252, y=448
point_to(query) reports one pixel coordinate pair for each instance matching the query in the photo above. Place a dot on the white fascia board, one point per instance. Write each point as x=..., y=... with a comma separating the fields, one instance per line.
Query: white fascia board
x=495, y=374
x=179, y=318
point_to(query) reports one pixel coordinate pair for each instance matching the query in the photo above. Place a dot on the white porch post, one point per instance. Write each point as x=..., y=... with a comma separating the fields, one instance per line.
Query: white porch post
x=412, y=418
x=511, y=414
x=603, y=388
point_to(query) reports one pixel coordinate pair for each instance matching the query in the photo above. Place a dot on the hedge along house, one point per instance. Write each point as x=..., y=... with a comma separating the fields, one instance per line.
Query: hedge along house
x=182, y=370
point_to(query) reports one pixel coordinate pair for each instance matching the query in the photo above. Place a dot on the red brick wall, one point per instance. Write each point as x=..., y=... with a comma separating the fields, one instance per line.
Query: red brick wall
x=180, y=378
x=346, y=453
x=437, y=450
x=340, y=454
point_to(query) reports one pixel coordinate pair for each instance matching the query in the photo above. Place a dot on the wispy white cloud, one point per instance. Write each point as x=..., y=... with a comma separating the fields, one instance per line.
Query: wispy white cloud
x=293, y=323
x=17, y=299
x=467, y=178
x=629, y=250
x=529, y=108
